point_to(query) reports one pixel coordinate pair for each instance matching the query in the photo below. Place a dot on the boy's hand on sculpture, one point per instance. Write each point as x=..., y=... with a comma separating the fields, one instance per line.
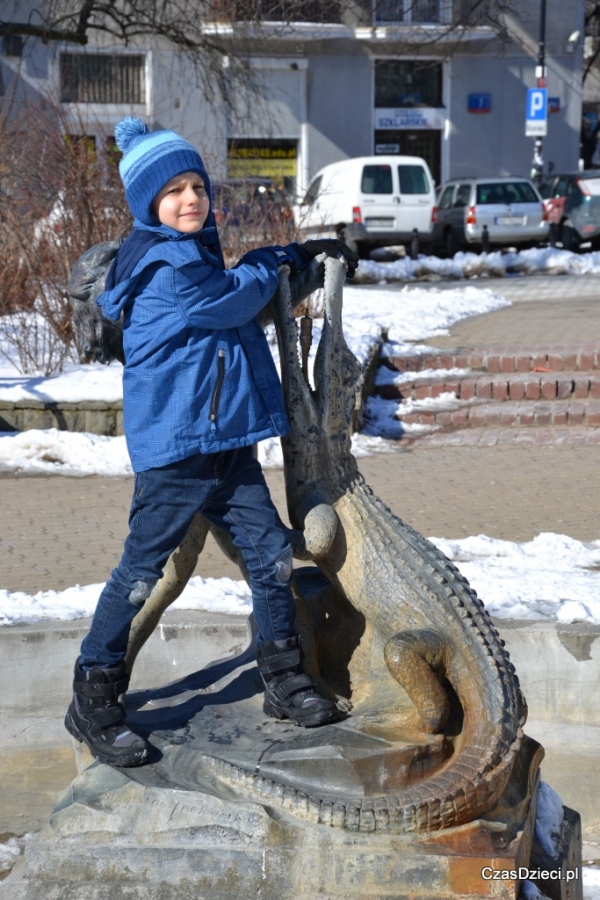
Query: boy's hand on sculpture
x=333, y=247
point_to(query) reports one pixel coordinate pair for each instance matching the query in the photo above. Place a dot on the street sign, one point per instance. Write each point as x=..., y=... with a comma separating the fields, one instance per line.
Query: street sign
x=480, y=103
x=536, y=116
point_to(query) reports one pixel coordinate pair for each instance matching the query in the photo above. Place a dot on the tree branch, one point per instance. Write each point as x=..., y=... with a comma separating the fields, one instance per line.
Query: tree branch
x=45, y=32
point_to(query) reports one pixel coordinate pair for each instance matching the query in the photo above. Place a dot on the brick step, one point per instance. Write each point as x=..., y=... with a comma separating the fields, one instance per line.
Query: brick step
x=559, y=358
x=518, y=386
x=507, y=415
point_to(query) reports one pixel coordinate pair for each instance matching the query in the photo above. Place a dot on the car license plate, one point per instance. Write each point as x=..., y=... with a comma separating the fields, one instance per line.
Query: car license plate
x=379, y=223
x=510, y=220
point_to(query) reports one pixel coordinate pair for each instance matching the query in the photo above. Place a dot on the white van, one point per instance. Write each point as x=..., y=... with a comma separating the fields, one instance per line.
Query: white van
x=370, y=201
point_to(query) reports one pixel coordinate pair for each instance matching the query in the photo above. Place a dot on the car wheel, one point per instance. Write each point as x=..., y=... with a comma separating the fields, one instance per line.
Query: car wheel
x=569, y=237
x=451, y=244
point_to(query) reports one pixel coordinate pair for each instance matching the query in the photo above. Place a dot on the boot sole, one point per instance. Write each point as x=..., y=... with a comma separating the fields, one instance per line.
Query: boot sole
x=322, y=717
x=126, y=762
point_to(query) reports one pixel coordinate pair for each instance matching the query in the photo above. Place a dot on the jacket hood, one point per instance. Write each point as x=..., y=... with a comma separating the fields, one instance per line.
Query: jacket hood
x=148, y=244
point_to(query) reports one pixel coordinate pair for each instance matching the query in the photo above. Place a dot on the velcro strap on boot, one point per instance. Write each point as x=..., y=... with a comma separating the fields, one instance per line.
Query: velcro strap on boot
x=107, y=691
x=280, y=662
x=103, y=718
x=288, y=686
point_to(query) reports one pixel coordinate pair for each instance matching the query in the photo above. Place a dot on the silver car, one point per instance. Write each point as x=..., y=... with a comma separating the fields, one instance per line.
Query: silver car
x=475, y=213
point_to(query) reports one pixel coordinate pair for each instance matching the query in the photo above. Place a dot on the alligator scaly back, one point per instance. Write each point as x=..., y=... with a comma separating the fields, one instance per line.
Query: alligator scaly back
x=436, y=638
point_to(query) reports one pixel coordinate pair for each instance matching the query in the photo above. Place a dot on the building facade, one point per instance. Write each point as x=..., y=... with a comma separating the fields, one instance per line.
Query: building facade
x=343, y=80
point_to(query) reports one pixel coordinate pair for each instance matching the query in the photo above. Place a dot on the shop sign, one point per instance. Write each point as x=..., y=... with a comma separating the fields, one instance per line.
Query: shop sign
x=408, y=118
x=262, y=159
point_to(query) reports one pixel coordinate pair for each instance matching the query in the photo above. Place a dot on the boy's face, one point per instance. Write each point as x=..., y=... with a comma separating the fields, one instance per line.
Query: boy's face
x=182, y=203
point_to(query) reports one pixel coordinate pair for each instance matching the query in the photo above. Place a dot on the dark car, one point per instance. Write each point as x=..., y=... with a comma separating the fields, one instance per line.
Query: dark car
x=494, y=212
x=572, y=203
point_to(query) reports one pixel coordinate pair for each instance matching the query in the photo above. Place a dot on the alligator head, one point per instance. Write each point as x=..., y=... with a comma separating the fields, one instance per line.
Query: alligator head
x=318, y=463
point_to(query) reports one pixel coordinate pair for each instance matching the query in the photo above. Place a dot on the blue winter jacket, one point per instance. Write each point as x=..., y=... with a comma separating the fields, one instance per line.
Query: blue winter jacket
x=199, y=376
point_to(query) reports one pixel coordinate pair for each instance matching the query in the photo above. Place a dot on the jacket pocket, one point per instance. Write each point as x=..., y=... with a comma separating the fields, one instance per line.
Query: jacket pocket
x=216, y=394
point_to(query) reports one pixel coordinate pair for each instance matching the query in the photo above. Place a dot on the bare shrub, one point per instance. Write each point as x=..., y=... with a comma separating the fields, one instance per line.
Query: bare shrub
x=252, y=214
x=58, y=197
x=255, y=213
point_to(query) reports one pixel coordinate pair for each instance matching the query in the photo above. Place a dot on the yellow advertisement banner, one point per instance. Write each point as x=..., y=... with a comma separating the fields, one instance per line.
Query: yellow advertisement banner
x=262, y=159
x=275, y=169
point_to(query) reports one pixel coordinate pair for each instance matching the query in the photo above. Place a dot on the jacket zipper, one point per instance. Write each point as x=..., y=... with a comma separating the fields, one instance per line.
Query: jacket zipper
x=214, y=403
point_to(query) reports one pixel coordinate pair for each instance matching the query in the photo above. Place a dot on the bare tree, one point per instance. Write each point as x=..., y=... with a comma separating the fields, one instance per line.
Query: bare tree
x=592, y=36
x=209, y=29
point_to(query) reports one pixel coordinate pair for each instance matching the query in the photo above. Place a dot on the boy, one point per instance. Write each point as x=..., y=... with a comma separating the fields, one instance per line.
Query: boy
x=199, y=388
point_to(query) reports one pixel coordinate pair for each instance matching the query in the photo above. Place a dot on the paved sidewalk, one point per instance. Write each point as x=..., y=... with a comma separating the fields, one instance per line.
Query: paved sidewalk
x=547, y=310
x=56, y=532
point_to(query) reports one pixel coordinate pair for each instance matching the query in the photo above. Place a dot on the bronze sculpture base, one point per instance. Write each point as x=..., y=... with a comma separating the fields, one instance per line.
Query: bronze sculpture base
x=177, y=829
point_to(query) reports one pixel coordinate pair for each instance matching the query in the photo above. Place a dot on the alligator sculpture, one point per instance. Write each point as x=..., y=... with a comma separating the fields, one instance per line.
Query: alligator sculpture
x=396, y=627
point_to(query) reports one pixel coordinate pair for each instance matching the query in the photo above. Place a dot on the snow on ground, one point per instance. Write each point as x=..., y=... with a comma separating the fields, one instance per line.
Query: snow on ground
x=413, y=313
x=53, y=452
x=545, y=261
x=391, y=376
x=590, y=877
x=221, y=595
x=11, y=849
x=552, y=578
x=76, y=383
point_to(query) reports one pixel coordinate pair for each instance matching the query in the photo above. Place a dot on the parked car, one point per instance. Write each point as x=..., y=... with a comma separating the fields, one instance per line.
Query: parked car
x=369, y=202
x=572, y=202
x=475, y=212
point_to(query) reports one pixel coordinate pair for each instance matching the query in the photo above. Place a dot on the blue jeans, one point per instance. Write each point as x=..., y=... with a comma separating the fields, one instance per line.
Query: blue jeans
x=230, y=490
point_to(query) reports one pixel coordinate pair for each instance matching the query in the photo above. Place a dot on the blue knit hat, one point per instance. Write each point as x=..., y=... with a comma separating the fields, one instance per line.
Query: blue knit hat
x=150, y=159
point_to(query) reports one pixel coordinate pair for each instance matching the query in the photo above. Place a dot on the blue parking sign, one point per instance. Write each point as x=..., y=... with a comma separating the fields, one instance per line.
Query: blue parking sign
x=536, y=116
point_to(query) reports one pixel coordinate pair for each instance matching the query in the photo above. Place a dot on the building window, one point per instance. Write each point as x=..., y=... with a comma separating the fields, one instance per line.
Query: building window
x=400, y=83
x=425, y=12
x=102, y=78
x=12, y=45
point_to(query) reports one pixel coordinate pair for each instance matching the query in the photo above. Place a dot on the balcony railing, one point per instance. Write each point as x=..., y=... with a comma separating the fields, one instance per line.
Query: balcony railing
x=350, y=12
x=321, y=12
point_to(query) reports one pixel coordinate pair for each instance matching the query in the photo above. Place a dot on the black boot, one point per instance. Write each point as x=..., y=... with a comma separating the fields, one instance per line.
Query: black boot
x=289, y=693
x=96, y=716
